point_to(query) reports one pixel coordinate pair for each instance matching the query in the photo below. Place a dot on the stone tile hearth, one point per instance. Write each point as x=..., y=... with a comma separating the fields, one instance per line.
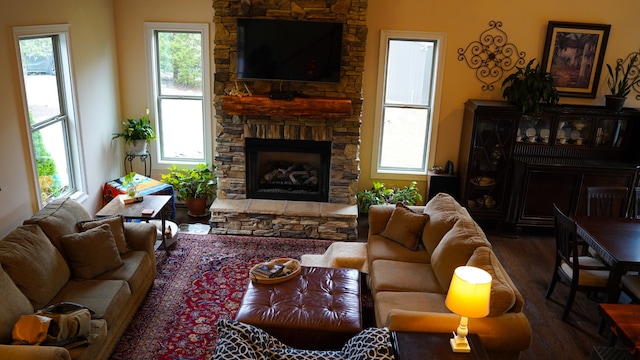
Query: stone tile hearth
x=284, y=218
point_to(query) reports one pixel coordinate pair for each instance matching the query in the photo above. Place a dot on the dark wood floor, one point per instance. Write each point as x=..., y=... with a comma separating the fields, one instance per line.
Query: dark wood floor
x=529, y=261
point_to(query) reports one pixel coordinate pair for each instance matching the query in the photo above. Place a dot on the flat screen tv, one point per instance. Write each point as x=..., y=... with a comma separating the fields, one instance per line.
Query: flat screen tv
x=289, y=50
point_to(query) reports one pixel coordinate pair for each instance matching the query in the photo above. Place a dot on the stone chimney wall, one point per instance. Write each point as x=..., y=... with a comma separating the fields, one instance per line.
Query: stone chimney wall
x=344, y=133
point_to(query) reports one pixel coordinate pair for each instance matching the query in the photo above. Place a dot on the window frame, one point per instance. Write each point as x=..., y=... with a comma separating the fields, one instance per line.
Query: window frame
x=151, y=29
x=439, y=40
x=68, y=107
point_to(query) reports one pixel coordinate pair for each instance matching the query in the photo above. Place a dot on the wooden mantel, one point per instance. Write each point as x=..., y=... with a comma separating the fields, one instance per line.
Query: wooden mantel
x=300, y=106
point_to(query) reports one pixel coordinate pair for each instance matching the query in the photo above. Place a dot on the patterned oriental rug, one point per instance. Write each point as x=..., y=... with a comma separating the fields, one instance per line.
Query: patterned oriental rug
x=202, y=281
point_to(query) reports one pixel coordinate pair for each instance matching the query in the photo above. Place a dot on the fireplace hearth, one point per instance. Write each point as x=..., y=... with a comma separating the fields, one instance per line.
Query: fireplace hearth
x=288, y=169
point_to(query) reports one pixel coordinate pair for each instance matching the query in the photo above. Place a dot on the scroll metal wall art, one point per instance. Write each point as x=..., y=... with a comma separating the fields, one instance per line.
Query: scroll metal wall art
x=491, y=56
x=632, y=62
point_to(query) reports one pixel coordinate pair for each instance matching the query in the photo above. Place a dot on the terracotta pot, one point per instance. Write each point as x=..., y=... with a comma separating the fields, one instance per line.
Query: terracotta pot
x=197, y=207
x=614, y=103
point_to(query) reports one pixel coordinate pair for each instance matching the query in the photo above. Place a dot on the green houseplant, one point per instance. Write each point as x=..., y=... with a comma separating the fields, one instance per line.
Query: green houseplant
x=136, y=133
x=621, y=81
x=195, y=186
x=528, y=87
x=379, y=194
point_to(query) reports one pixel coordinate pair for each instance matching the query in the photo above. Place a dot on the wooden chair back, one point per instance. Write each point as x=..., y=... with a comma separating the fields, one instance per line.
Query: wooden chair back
x=607, y=201
x=566, y=238
x=637, y=202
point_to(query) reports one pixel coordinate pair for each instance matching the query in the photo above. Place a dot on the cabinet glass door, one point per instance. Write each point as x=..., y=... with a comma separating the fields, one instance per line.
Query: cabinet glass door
x=609, y=132
x=491, y=152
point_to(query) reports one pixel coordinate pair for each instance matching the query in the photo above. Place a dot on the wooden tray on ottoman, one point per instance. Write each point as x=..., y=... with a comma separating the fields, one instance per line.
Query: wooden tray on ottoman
x=284, y=276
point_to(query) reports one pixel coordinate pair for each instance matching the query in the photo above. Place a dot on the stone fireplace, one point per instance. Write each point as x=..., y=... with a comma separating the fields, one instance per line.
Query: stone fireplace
x=288, y=169
x=242, y=120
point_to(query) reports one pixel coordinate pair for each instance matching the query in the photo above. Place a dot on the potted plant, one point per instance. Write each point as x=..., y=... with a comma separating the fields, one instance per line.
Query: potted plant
x=378, y=194
x=528, y=87
x=621, y=81
x=136, y=133
x=194, y=186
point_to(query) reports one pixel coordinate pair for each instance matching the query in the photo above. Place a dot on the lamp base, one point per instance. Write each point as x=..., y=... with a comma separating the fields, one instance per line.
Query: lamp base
x=459, y=344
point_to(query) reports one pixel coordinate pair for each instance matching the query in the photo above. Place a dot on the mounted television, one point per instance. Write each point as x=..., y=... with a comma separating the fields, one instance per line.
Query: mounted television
x=289, y=50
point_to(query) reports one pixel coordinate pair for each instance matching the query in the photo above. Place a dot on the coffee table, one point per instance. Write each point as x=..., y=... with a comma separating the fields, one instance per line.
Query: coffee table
x=156, y=203
x=319, y=309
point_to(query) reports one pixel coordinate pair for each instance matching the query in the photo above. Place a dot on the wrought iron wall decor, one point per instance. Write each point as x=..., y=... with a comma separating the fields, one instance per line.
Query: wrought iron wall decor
x=634, y=70
x=491, y=56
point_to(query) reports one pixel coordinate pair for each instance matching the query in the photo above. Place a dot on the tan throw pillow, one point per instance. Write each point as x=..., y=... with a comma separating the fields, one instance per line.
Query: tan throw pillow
x=14, y=304
x=443, y=211
x=92, y=252
x=455, y=249
x=405, y=227
x=34, y=264
x=502, y=295
x=116, y=224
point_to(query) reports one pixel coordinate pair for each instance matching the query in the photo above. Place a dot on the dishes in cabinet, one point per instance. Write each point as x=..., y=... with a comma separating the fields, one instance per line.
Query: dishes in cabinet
x=544, y=134
x=530, y=132
x=575, y=135
x=482, y=181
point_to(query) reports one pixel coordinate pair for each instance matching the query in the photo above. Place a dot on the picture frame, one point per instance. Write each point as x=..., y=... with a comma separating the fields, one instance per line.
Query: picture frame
x=573, y=54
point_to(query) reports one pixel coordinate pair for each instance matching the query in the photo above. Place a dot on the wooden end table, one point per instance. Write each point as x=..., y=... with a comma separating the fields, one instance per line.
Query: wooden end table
x=423, y=345
x=157, y=203
x=624, y=321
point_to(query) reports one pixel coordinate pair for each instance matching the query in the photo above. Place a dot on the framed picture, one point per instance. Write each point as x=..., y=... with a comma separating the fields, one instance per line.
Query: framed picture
x=573, y=54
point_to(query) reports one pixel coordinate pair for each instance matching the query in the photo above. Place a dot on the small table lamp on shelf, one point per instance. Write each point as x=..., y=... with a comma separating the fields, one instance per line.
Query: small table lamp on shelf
x=468, y=297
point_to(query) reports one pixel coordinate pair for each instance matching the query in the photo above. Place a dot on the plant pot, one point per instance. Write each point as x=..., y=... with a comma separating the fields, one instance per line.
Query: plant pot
x=614, y=103
x=137, y=147
x=197, y=207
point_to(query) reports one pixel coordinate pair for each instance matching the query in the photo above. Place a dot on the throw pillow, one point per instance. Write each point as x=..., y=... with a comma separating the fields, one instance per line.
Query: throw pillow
x=455, y=249
x=405, y=227
x=92, y=252
x=34, y=264
x=116, y=224
x=443, y=211
x=502, y=295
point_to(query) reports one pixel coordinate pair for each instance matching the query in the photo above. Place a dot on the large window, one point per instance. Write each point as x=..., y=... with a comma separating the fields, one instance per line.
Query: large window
x=43, y=54
x=409, y=73
x=179, y=69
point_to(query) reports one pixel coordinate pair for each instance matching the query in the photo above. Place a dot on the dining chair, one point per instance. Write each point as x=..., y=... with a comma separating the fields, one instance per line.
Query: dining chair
x=637, y=203
x=631, y=287
x=581, y=272
x=607, y=201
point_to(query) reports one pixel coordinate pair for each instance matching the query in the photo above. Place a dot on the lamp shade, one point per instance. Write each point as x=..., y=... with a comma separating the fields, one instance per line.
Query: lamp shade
x=469, y=292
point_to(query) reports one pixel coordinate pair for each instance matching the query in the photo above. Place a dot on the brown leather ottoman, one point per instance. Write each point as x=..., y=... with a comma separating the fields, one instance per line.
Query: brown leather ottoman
x=319, y=309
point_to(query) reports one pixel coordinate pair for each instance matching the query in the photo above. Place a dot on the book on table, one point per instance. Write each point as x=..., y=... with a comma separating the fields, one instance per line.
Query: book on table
x=126, y=199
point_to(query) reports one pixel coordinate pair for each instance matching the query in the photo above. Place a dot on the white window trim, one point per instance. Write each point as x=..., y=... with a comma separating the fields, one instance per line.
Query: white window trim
x=75, y=140
x=440, y=49
x=149, y=29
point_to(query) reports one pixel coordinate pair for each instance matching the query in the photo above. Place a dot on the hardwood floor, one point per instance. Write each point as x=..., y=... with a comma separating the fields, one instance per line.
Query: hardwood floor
x=529, y=261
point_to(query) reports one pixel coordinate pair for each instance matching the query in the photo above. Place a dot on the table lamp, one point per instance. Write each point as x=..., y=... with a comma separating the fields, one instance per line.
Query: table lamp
x=468, y=297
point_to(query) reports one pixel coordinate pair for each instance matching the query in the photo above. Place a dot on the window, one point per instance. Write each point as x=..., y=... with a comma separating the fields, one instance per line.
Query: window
x=408, y=89
x=179, y=69
x=43, y=56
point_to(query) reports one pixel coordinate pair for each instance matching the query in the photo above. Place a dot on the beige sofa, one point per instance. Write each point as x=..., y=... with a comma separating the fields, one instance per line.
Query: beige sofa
x=109, y=267
x=411, y=266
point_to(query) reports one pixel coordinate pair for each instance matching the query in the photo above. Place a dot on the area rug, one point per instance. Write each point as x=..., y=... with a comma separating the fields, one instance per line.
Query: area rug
x=201, y=281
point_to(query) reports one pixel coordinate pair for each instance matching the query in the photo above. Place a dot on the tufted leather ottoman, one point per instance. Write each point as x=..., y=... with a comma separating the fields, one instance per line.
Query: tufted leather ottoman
x=319, y=309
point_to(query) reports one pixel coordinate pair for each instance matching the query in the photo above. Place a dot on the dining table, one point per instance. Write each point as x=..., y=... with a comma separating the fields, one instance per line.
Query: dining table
x=617, y=241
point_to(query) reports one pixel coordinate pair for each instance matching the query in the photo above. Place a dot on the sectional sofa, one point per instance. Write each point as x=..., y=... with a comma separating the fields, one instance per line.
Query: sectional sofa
x=61, y=254
x=412, y=253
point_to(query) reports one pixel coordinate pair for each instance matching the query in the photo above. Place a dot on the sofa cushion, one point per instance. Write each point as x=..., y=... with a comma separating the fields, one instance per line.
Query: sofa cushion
x=379, y=247
x=14, y=304
x=92, y=252
x=455, y=249
x=137, y=270
x=59, y=218
x=405, y=227
x=390, y=275
x=109, y=299
x=33, y=264
x=116, y=224
x=432, y=303
x=443, y=211
x=502, y=295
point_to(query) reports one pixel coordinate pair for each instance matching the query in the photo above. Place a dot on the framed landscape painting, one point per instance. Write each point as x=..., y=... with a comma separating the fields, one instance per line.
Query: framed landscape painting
x=573, y=54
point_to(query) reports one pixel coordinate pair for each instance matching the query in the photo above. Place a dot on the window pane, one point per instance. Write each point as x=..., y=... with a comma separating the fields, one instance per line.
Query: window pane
x=51, y=161
x=404, y=137
x=180, y=63
x=409, y=65
x=41, y=86
x=182, y=129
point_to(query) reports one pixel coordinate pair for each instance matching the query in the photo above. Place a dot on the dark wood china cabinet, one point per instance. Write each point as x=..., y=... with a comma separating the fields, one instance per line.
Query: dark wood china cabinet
x=514, y=167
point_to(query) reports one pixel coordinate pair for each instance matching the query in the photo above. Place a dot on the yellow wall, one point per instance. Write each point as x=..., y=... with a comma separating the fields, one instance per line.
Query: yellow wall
x=108, y=56
x=525, y=23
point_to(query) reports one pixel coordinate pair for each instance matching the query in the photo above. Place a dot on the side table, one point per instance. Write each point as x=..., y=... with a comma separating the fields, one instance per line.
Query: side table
x=423, y=345
x=157, y=203
x=445, y=183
